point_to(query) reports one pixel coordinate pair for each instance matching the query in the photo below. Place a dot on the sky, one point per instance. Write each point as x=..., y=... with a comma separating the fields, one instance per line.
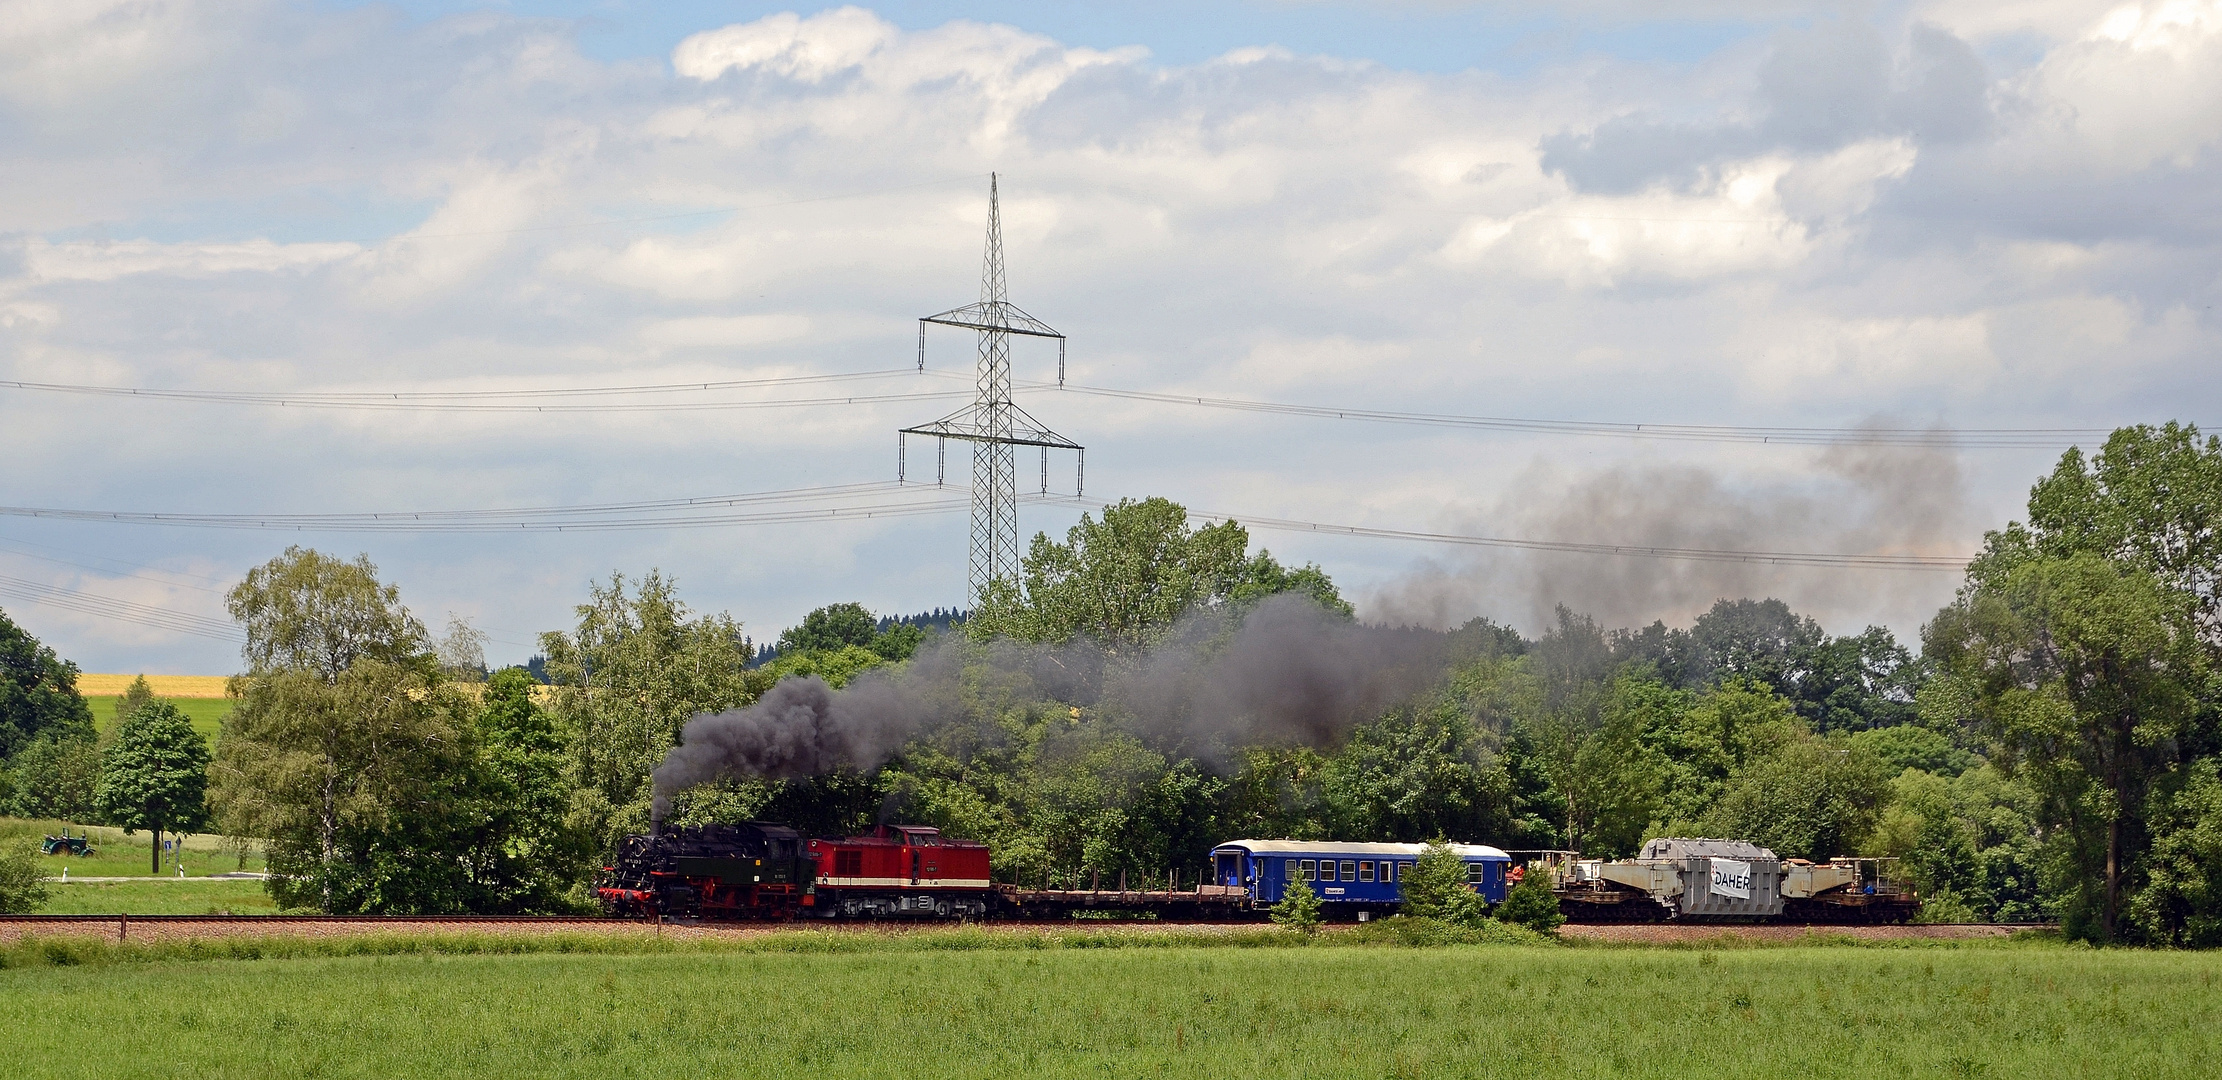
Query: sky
x=1921, y=221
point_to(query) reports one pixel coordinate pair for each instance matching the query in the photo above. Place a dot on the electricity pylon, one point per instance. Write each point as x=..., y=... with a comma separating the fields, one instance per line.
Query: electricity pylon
x=992, y=423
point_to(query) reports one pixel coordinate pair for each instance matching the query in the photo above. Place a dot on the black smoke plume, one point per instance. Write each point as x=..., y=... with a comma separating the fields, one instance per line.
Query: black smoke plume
x=1286, y=672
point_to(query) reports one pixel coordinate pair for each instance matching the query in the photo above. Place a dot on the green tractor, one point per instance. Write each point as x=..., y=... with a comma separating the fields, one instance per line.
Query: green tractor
x=66, y=844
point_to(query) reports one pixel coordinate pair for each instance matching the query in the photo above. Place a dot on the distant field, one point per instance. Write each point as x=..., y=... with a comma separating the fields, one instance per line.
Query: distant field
x=117, y=855
x=898, y=1010
x=170, y=686
x=207, y=714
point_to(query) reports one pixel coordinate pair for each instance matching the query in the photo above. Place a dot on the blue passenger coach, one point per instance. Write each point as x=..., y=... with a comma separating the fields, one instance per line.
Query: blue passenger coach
x=1367, y=876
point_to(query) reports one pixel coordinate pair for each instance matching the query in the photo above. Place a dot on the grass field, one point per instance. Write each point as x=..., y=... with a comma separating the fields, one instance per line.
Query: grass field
x=159, y=896
x=207, y=714
x=118, y=855
x=910, y=1009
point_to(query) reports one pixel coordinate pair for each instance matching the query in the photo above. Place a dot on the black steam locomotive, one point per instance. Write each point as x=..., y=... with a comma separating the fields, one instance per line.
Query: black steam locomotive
x=756, y=869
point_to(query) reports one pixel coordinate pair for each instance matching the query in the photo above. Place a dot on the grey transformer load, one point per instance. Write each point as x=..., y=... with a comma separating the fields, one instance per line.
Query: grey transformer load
x=1708, y=880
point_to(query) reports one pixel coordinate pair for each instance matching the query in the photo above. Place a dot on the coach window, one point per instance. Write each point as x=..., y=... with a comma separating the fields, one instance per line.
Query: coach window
x=1474, y=872
x=1309, y=871
x=1326, y=869
x=1291, y=873
x=1365, y=871
x=1349, y=870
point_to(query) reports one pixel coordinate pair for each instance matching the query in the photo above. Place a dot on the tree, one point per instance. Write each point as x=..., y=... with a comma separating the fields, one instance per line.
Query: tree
x=1803, y=795
x=2181, y=900
x=1435, y=887
x=2084, y=672
x=2151, y=499
x=38, y=693
x=1124, y=580
x=155, y=775
x=1532, y=904
x=527, y=853
x=360, y=785
x=1299, y=908
x=54, y=777
x=307, y=611
x=22, y=881
x=831, y=627
x=639, y=666
x=348, y=748
x=462, y=650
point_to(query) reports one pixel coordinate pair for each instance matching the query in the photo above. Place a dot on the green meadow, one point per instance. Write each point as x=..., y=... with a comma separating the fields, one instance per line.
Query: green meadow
x=971, y=1004
x=117, y=855
x=207, y=714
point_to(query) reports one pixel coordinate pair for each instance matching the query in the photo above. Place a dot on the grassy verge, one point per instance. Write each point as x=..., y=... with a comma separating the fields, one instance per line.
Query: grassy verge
x=193, y=896
x=882, y=1005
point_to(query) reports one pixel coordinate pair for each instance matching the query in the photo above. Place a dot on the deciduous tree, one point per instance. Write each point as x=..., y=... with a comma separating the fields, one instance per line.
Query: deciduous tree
x=155, y=775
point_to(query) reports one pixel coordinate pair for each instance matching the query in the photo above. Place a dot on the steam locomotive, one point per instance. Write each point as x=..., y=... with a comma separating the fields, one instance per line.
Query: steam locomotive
x=764, y=870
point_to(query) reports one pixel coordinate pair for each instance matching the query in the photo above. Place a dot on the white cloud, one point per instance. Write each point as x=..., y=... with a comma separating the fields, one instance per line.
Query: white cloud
x=1851, y=218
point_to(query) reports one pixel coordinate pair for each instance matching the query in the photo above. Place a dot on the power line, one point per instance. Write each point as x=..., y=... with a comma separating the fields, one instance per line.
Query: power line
x=108, y=607
x=523, y=401
x=492, y=401
x=883, y=499
x=1640, y=551
x=1941, y=437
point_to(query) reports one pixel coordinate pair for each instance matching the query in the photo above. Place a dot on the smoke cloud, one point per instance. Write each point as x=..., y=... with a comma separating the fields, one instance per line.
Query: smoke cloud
x=1289, y=672
x=1858, y=499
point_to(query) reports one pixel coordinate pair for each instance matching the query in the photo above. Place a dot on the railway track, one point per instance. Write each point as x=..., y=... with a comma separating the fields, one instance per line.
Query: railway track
x=166, y=928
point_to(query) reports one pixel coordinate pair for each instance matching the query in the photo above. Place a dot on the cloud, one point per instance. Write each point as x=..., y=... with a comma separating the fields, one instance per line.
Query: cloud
x=1959, y=212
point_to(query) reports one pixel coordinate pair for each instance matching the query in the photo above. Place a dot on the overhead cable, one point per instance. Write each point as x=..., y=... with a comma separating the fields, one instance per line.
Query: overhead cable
x=108, y=607
x=1940, y=437
x=563, y=400
x=882, y=499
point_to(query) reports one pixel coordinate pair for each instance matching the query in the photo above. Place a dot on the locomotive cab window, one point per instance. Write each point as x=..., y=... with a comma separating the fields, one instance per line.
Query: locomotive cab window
x=1365, y=871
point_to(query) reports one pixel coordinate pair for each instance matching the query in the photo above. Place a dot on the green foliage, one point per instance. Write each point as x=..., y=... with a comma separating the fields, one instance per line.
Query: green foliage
x=834, y=626
x=155, y=775
x=1124, y=580
x=1910, y=746
x=307, y=611
x=636, y=669
x=2083, y=672
x=1299, y=909
x=528, y=855
x=1435, y=888
x=1803, y=795
x=2180, y=902
x=22, y=886
x=353, y=784
x=54, y=777
x=1531, y=903
x=38, y=693
x=836, y=666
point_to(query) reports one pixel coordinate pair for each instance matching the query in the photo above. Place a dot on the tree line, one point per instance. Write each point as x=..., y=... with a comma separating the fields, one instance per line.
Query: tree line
x=2050, y=751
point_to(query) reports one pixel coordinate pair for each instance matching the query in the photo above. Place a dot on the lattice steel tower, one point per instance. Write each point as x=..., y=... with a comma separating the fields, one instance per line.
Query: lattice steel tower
x=994, y=424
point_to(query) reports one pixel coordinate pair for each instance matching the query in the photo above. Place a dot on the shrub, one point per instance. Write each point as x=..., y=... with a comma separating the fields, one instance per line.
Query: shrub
x=22, y=881
x=1299, y=908
x=1532, y=904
